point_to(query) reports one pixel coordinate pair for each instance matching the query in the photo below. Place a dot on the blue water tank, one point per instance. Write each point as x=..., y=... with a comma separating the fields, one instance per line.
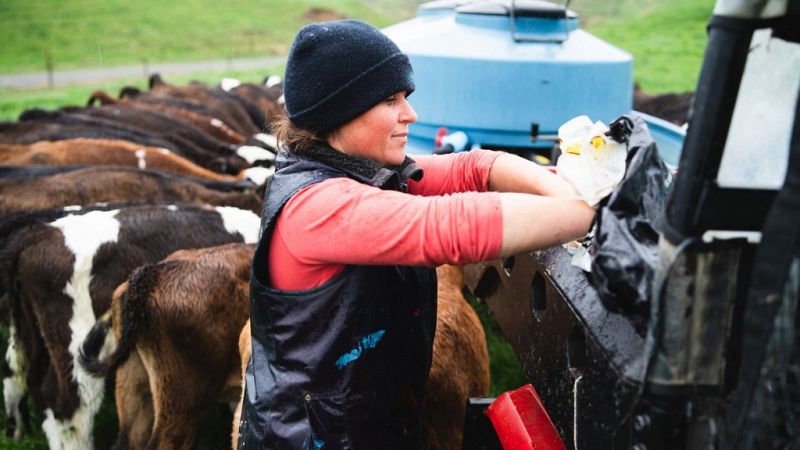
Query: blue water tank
x=495, y=69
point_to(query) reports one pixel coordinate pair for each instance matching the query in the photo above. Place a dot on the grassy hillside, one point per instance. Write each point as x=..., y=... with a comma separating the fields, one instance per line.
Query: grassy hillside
x=94, y=33
x=666, y=38
x=14, y=101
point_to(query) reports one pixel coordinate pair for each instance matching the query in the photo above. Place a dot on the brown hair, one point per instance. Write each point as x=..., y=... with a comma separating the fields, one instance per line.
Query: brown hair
x=292, y=137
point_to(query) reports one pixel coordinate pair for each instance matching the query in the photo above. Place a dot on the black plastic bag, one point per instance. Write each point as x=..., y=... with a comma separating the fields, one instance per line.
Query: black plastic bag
x=625, y=245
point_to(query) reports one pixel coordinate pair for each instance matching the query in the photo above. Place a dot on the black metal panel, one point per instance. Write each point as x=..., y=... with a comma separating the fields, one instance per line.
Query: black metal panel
x=717, y=89
x=734, y=209
x=569, y=345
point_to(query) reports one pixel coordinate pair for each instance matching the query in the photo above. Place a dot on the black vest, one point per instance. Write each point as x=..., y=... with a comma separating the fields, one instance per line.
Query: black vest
x=343, y=365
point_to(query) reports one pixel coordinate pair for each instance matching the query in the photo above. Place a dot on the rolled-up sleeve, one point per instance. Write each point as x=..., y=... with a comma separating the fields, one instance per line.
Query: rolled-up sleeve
x=457, y=172
x=345, y=222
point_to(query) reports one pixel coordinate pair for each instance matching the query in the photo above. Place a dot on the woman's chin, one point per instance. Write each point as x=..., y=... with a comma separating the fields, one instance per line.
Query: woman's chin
x=397, y=160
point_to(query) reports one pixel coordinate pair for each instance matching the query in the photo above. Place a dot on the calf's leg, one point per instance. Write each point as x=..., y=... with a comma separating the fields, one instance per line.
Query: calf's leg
x=134, y=405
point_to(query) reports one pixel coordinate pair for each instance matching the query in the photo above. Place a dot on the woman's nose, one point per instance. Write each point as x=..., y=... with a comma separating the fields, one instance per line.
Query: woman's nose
x=407, y=115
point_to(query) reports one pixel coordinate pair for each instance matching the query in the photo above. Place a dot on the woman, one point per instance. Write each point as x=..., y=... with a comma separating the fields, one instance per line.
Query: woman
x=343, y=300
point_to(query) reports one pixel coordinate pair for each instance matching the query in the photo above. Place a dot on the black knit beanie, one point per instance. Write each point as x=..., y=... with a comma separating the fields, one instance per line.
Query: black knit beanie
x=338, y=70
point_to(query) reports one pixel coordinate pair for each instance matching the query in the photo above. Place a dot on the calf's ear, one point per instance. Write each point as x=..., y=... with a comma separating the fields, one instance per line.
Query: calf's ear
x=100, y=96
x=156, y=80
x=129, y=92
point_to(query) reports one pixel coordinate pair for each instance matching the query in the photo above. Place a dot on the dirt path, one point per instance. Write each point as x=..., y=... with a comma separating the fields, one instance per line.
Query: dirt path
x=72, y=77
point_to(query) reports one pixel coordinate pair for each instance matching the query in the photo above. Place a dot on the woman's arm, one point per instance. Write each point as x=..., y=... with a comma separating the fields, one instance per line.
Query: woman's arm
x=482, y=170
x=550, y=217
x=511, y=173
x=456, y=172
x=533, y=222
x=340, y=221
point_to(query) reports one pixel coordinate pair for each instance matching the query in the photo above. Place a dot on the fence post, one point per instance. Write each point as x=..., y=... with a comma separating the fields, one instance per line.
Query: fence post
x=48, y=58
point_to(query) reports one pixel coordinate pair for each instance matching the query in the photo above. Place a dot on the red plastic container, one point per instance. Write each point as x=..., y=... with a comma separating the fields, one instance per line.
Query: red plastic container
x=522, y=423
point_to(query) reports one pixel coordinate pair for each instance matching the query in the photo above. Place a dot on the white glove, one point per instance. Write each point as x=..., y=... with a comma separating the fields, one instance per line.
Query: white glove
x=590, y=161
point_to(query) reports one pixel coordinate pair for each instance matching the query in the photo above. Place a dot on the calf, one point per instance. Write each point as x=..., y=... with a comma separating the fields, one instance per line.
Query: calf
x=460, y=367
x=157, y=123
x=161, y=123
x=10, y=172
x=25, y=133
x=134, y=93
x=167, y=296
x=59, y=276
x=226, y=106
x=117, y=152
x=162, y=100
x=671, y=106
x=209, y=124
x=175, y=320
x=245, y=352
x=265, y=98
x=141, y=127
x=115, y=185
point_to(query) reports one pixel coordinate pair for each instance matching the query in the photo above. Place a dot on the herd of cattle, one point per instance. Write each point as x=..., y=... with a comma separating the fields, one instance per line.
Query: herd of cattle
x=127, y=229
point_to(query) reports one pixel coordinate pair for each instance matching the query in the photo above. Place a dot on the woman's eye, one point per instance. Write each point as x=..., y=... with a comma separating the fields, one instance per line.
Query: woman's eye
x=390, y=99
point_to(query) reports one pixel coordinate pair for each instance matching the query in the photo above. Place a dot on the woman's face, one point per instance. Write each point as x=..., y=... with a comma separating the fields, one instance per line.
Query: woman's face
x=380, y=134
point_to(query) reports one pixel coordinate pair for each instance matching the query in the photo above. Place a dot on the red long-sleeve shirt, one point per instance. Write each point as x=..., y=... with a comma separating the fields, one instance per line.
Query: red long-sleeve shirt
x=446, y=218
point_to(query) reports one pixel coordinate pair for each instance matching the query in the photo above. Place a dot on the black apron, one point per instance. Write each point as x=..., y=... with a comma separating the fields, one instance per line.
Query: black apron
x=343, y=365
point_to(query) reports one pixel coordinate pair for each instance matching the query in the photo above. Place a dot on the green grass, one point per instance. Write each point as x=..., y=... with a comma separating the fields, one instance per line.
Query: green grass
x=214, y=433
x=667, y=42
x=99, y=33
x=14, y=101
x=666, y=37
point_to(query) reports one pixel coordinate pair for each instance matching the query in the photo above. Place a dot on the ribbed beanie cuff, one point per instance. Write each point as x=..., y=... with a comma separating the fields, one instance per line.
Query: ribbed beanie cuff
x=338, y=70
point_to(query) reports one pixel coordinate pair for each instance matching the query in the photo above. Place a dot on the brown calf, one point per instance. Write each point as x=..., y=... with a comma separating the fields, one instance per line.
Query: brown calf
x=245, y=351
x=141, y=127
x=177, y=323
x=460, y=366
x=266, y=98
x=226, y=106
x=112, y=152
x=209, y=288
x=117, y=184
x=673, y=107
x=209, y=124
